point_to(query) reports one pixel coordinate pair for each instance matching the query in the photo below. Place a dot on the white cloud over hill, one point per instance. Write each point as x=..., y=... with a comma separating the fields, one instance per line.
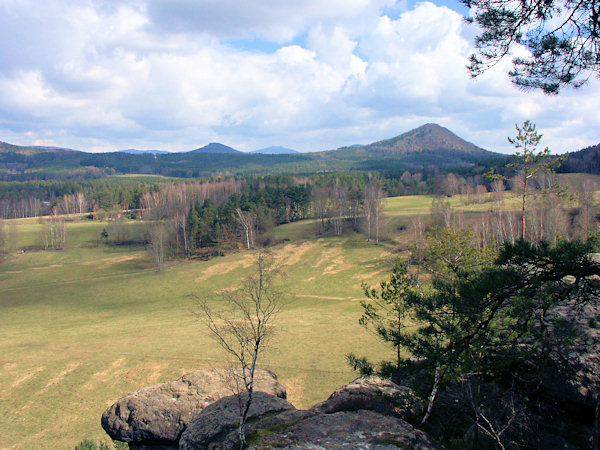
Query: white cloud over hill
x=176, y=74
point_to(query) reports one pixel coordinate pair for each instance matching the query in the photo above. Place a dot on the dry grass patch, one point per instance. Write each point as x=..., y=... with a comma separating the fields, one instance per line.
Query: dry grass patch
x=28, y=376
x=60, y=376
x=220, y=269
x=324, y=297
x=295, y=388
x=295, y=252
x=371, y=275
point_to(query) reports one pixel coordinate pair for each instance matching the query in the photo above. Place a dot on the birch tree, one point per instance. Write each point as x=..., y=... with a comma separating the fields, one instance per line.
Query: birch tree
x=241, y=323
x=247, y=222
x=373, y=209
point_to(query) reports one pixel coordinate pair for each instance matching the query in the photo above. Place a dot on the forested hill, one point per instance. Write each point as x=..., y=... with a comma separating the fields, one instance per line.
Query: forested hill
x=216, y=147
x=427, y=138
x=430, y=145
x=586, y=160
x=427, y=147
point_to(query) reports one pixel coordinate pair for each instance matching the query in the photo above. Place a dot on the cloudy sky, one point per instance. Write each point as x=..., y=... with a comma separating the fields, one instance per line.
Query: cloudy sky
x=100, y=75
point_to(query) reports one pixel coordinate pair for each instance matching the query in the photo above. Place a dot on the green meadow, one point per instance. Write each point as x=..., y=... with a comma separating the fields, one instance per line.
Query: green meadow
x=81, y=327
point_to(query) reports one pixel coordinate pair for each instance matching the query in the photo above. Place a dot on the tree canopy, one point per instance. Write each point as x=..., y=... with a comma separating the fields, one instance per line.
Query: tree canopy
x=518, y=323
x=562, y=37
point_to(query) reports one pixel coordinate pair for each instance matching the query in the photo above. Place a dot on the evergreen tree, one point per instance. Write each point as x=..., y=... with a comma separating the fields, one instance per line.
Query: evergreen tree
x=562, y=36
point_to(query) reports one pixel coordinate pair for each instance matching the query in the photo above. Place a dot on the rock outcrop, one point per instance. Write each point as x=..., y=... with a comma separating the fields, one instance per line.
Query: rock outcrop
x=366, y=413
x=583, y=358
x=376, y=394
x=220, y=419
x=155, y=416
x=197, y=412
x=346, y=429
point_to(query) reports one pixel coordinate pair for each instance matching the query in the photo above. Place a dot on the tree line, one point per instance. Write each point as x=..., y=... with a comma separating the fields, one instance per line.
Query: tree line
x=33, y=198
x=198, y=220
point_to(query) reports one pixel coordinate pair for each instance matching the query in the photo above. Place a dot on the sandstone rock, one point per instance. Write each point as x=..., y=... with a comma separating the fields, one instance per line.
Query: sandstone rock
x=156, y=415
x=347, y=429
x=264, y=425
x=375, y=394
x=221, y=418
x=584, y=357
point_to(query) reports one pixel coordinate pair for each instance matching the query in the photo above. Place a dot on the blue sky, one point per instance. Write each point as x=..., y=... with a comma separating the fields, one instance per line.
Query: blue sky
x=100, y=75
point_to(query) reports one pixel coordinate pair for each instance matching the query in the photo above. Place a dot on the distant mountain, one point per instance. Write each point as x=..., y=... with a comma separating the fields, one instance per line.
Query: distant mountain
x=133, y=151
x=275, y=150
x=429, y=145
x=215, y=147
x=426, y=138
x=45, y=147
x=30, y=149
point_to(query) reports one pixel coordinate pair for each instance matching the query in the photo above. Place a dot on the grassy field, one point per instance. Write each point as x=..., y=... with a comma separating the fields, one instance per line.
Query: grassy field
x=81, y=327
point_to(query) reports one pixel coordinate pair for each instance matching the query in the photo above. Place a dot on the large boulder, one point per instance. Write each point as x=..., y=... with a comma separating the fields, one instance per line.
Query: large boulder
x=346, y=429
x=157, y=415
x=583, y=358
x=375, y=394
x=210, y=428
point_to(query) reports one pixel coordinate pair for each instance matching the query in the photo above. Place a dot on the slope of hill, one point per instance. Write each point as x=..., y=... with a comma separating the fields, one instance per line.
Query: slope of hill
x=28, y=150
x=52, y=148
x=275, y=150
x=429, y=145
x=215, y=147
x=429, y=137
x=133, y=151
x=586, y=160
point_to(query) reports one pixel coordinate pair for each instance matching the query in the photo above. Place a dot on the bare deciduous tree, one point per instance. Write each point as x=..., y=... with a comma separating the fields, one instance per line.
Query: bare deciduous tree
x=339, y=198
x=320, y=197
x=241, y=322
x=497, y=421
x=3, y=240
x=441, y=212
x=158, y=236
x=81, y=203
x=586, y=218
x=54, y=231
x=373, y=208
x=247, y=223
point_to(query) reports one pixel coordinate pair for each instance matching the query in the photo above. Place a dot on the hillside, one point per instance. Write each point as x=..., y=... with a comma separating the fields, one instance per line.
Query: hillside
x=5, y=147
x=429, y=145
x=216, y=147
x=429, y=137
x=275, y=150
x=134, y=151
x=586, y=160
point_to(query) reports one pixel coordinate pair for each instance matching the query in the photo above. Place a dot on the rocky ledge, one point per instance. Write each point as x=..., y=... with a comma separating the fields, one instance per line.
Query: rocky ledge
x=155, y=416
x=197, y=412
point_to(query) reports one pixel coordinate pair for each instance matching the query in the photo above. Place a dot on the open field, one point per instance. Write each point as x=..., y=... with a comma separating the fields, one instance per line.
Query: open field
x=81, y=327
x=84, y=326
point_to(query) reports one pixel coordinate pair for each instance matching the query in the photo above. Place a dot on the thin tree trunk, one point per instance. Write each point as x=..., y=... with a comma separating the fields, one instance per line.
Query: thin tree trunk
x=436, y=382
x=377, y=225
x=524, y=205
x=398, y=355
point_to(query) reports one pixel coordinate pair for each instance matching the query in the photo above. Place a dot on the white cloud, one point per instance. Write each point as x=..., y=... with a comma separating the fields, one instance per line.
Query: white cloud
x=167, y=74
x=273, y=20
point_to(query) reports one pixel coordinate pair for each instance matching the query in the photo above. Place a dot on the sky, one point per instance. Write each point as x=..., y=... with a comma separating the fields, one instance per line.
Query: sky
x=312, y=75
